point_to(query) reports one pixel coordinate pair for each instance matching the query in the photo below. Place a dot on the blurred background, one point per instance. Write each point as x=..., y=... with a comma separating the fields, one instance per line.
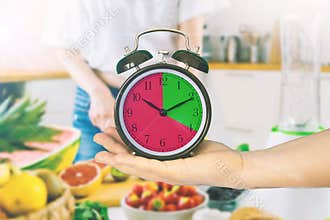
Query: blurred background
x=248, y=94
x=242, y=42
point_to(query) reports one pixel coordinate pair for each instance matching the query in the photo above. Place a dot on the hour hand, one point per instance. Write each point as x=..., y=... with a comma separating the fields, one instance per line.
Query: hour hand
x=152, y=105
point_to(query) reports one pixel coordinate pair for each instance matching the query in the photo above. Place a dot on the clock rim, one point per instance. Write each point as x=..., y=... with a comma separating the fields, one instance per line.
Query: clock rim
x=202, y=89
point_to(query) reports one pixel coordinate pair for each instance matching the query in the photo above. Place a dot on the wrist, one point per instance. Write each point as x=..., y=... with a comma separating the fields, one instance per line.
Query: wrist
x=100, y=91
x=258, y=170
x=230, y=169
x=248, y=174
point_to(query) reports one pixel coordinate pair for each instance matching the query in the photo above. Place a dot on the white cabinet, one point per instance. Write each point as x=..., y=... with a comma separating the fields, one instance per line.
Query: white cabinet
x=325, y=100
x=246, y=105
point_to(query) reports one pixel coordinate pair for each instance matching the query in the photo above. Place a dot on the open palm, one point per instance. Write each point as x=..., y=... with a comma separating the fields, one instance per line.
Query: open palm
x=212, y=164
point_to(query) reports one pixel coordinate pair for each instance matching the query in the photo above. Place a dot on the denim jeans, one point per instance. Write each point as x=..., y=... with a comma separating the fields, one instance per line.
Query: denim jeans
x=88, y=148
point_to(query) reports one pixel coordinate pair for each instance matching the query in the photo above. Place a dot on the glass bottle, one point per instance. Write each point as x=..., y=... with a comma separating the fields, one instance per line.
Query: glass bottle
x=207, y=46
x=300, y=85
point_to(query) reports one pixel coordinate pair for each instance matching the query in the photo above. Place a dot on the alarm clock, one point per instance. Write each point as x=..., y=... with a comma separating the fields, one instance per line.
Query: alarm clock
x=162, y=110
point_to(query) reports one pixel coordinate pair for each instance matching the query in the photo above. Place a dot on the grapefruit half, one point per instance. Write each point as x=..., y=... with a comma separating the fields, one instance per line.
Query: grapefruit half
x=82, y=178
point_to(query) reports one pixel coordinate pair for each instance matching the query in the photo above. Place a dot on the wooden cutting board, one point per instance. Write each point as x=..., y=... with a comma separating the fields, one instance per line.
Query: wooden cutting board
x=110, y=194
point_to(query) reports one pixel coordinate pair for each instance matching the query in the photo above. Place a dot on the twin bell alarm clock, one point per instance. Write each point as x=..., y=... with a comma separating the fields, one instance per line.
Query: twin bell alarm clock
x=162, y=110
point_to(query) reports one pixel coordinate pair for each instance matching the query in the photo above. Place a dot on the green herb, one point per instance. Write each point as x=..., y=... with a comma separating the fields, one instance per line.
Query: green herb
x=20, y=123
x=91, y=211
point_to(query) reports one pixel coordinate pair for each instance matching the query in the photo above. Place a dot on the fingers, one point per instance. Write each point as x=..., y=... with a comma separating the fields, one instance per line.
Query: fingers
x=103, y=122
x=125, y=163
x=93, y=119
x=110, y=143
x=112, y=131
x=168, y=171
x=109, y=124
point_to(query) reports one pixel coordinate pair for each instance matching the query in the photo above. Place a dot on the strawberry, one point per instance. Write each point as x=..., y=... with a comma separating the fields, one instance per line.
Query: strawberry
x=165, y=186
x=146, y=207
x=175, y=189
x=192, y=202
x=198, y=199
x=138, y=189
x=183, y=191
x=133, y=200
x=187, y=191
x=156, y=204
x=146, y=196
x=191, y=190
x=170, y=208
x=159, y=184
x=170, y=197
x=152, y=186
x=184, y=203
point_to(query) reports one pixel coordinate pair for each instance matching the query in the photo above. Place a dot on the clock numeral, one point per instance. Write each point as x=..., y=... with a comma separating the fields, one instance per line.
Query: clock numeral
x=195, y=112
x=162, y=142
x=179, y=85
x=191, y=94
x=146, y=138
x=136, y=97
x=163, y=81
x=180, y=139
x=147, y=85
x=129, y=112
x=134, y=128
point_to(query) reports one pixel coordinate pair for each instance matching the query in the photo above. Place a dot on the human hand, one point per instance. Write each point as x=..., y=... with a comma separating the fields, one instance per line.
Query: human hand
x=102, y=109
x=213, y=163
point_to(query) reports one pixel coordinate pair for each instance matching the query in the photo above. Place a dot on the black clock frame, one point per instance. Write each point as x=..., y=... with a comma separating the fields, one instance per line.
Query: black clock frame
x=182, y=154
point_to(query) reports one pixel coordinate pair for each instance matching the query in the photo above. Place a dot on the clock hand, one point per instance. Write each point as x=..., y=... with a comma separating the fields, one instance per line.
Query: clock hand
x=152, y=105
x=179, y=104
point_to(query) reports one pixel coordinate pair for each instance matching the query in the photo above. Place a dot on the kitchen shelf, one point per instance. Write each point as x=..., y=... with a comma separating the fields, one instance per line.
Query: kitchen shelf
x=244, y=66
x=15, y=76
x=249, y=66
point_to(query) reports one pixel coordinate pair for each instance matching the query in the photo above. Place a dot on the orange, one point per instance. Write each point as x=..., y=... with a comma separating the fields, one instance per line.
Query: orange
x=82, y=178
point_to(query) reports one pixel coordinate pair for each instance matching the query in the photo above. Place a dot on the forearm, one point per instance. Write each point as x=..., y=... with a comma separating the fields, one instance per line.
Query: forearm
x=194, y=29
x=300, y=163
x=81, y=72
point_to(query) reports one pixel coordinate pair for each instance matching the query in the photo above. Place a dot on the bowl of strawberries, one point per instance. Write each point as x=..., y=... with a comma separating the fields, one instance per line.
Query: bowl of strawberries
x=162, y=201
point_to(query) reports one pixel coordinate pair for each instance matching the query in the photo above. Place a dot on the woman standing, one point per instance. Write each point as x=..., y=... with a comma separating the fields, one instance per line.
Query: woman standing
x=90, y=37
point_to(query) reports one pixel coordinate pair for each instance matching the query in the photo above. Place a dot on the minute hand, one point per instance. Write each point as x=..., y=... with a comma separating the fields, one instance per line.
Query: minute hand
x=179, y=104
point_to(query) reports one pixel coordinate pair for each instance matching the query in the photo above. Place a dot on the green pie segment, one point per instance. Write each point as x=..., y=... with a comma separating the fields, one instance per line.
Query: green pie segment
x=182, y=101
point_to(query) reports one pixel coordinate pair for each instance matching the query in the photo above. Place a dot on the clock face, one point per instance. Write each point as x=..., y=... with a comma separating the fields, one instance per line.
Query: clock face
x=162, y=112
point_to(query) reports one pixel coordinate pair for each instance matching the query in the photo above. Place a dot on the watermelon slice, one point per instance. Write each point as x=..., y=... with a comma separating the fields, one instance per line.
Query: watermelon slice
x=54, y=155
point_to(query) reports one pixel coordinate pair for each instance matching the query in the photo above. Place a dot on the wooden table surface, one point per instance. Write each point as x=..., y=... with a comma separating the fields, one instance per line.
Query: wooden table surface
x=16, y=76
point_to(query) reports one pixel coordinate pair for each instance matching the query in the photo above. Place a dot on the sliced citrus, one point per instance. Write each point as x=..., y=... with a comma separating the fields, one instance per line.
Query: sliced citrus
x=82, y=178
x=105, y=168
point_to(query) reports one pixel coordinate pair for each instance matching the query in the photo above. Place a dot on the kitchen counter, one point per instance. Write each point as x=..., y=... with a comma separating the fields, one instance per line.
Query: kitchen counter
x=249, y=66
x=15, y=76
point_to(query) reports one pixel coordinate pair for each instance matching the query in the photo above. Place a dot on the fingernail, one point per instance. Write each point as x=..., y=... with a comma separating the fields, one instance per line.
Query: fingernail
x=97, y=136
